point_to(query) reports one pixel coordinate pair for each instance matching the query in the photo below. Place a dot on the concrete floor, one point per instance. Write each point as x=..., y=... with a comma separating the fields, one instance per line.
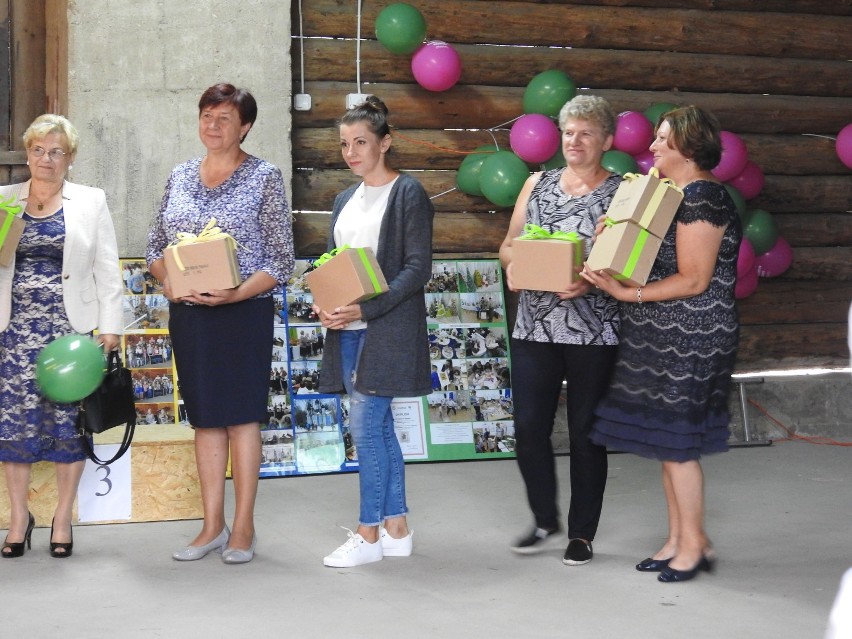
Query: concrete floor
x=779, y=516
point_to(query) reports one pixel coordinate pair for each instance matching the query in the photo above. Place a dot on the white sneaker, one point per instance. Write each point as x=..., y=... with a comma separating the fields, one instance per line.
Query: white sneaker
x=393, y=547
x=355, y=552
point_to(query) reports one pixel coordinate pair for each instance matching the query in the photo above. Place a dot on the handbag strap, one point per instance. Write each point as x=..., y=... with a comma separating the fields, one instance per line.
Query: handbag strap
x=129, y=430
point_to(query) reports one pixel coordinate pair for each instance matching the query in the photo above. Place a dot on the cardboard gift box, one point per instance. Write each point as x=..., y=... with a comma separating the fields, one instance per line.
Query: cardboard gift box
x=647, y=201
x=202, y=263
x=626, y=251
x=11, y=229
x=345, y=276
x=546, y=264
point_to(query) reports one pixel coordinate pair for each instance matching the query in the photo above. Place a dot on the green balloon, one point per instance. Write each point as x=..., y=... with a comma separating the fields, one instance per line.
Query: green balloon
x=548, y=92
x=737, y=197
x=619, y=162
x=760, y=229
x=467, y=178
x=557, y=161
x=400, y=28
x=502, y=177
x=70, y=368
x=654, y=111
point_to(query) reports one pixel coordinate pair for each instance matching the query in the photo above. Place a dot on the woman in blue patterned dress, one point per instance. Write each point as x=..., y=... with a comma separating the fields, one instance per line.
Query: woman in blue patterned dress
x=668, y=398
x=64, y=279
x=222, y=339
x=570, y=336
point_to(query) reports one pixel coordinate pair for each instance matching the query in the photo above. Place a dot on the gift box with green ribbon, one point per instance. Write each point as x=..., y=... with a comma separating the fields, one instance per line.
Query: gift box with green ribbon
x=646, y=200
x=11, y=229
x=626, y=251
x=544, y=260
x=203, y=262
x=345, y=276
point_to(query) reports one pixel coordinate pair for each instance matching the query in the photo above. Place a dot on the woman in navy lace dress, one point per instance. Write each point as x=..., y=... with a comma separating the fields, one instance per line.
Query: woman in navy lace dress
x=64, y=279
x=668, y=397
x=223, y=339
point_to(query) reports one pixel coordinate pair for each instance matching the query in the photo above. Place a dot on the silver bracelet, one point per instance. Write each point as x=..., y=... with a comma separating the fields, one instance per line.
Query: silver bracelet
x=639, y=295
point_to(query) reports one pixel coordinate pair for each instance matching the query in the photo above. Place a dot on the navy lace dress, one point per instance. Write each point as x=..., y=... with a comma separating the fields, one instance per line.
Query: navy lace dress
x=33, y=428
x=669, y=395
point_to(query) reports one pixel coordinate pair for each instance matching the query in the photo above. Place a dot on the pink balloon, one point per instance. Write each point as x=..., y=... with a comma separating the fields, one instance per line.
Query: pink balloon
x=633, y=132
x=750, y=181
x=734, y=157
x=436, y=66
x=534, y=138
x=645, y=160
x=776, y=260
x=746, y=257
x=746, y=284
x=843, y=145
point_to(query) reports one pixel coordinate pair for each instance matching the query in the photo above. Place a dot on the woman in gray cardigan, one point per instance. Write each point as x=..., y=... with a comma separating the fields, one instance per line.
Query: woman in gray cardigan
x=378, y=349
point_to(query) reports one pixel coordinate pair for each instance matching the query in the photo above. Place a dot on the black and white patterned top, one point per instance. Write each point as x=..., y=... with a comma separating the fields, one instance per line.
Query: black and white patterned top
x=250, y=206
x=542, y=317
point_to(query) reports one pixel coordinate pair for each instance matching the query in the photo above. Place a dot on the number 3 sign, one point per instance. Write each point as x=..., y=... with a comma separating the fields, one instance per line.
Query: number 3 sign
x=104, y=493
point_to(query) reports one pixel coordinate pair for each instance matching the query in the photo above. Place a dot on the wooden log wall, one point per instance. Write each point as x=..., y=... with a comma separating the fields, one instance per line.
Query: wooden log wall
x=775, y=72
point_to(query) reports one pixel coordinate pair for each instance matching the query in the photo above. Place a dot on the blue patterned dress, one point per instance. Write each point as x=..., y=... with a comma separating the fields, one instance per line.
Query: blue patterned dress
x=32, y=428
x=669, y=395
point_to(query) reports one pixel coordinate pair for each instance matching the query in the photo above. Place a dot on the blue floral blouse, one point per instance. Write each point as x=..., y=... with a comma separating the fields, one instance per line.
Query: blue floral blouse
x=251, y=206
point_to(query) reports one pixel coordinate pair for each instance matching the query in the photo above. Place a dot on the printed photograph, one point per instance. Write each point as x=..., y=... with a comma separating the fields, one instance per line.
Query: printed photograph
x=479, y=277
x=145, y=312
x=446, y=342
x=442, y=308
x=153, y=385
x=494, y=437
x=299, y=309
x=148, y=351
x=444, y=278
x=481, y=307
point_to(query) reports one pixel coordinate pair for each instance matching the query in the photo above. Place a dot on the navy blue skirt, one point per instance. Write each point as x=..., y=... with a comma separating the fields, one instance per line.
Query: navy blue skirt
x=223, y=355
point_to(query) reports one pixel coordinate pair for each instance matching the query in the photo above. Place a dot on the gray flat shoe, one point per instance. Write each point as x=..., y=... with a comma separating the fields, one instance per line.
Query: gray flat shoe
x=193, y=553
x=238, y=556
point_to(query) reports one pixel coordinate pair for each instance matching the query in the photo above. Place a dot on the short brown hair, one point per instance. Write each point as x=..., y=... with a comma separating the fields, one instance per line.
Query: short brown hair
x=242, y=100
x=695, y=133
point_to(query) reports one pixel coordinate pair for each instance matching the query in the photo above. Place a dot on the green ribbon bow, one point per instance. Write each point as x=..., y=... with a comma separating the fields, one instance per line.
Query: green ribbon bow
x=535, y=232
x=11, y=211
x=325, y=257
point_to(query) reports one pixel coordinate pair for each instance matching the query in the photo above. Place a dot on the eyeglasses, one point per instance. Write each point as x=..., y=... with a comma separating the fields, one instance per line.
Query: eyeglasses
x=53, y=154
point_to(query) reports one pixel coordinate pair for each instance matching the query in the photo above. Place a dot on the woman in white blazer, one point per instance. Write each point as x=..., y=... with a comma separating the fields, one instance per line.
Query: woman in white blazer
x=64, y=278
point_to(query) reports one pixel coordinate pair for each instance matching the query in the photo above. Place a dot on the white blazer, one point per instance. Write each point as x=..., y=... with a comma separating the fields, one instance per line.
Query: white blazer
x=91, y=277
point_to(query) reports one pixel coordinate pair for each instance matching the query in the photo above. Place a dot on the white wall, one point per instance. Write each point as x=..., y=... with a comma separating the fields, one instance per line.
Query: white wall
x=136, y=71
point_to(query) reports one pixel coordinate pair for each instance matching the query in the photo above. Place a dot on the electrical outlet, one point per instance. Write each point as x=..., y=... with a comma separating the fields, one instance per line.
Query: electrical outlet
x=302, y=102
x=354, y=99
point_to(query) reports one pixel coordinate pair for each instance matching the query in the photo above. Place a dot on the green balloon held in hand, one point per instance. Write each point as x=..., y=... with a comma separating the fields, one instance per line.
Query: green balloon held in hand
x=548, y=92
x=502, y=177
x=619, y=162
x=70, y=368
x=467, y=178
x=400, y=28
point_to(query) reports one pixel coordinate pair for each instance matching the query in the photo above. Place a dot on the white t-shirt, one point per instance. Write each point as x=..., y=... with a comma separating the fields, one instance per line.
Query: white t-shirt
x=360, y=223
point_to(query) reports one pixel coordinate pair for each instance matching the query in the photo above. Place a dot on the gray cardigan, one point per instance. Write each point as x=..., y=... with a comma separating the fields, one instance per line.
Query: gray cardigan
x=395, y=359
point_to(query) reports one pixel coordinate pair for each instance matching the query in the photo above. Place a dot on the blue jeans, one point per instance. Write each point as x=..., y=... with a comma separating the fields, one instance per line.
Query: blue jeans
x=381, y=468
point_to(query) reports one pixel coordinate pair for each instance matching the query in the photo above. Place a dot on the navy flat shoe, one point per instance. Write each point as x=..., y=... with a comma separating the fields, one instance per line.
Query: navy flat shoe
x=671, y=575
x=652, y=565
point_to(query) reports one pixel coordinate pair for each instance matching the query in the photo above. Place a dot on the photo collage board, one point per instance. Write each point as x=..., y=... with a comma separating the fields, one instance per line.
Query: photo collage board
x=468, y=415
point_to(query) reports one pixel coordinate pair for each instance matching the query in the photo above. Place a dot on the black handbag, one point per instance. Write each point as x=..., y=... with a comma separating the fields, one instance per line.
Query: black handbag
x=111, y=405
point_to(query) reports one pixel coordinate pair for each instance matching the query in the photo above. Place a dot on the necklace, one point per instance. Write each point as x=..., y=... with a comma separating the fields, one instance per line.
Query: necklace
x=40, y=203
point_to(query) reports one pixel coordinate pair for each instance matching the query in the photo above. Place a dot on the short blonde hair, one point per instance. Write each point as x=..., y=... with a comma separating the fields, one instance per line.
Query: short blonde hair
x=591, y=108
x=49, y=123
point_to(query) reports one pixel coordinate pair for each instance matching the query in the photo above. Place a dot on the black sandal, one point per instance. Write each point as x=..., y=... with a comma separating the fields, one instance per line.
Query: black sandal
x=60, y=550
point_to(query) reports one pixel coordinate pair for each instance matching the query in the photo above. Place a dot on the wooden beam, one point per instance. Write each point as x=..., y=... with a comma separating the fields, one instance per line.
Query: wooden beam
x=56, y=52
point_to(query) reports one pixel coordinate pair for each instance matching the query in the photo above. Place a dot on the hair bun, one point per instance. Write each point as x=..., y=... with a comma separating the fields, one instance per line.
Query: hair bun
x=375, y=103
